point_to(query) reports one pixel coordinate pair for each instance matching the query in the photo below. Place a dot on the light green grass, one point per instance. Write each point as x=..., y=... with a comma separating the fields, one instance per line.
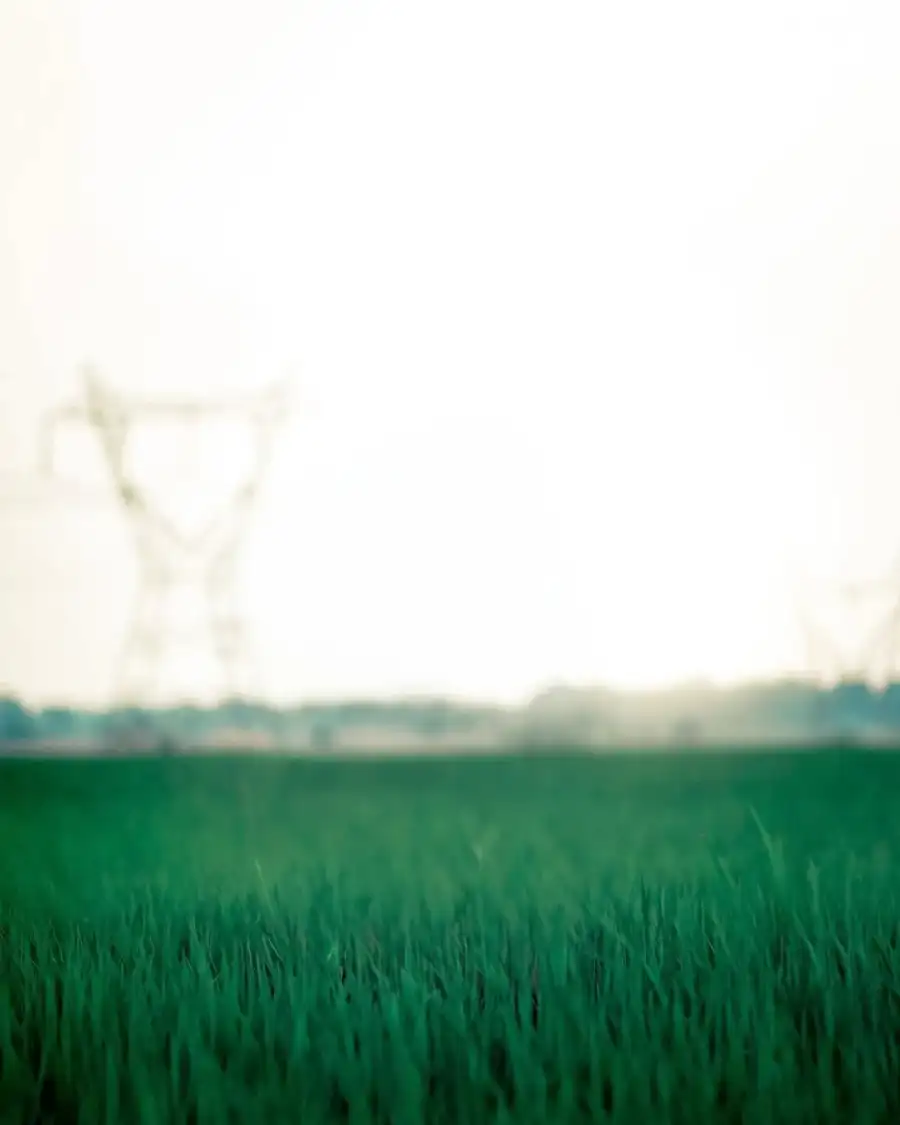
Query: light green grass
x=553, y=940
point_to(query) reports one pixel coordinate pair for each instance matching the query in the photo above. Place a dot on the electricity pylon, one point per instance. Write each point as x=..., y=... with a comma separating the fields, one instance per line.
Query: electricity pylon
x=864, y=665
x=200, y=559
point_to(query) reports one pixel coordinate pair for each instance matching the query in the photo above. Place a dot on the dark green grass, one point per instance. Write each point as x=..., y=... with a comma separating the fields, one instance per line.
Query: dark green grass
x=567, y=939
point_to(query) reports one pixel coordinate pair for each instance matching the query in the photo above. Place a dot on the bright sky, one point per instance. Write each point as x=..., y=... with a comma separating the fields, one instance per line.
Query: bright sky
x=597, y=304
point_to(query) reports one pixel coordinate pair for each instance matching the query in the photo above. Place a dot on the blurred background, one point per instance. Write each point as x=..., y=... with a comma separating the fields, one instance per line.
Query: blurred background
x=590, y=311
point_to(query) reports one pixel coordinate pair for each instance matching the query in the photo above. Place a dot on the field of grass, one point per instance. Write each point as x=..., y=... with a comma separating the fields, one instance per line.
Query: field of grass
x=552, y=940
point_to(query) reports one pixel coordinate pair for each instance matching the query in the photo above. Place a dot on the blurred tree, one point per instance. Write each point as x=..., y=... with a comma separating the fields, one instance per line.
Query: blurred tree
x=17, y=723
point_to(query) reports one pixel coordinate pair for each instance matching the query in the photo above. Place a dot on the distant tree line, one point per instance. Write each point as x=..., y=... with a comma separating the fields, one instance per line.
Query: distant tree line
x=426, y=718
x=559, y=716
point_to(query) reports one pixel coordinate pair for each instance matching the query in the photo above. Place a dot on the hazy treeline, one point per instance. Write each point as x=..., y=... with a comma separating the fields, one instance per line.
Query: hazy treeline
x=687, y=715
x=319, y=723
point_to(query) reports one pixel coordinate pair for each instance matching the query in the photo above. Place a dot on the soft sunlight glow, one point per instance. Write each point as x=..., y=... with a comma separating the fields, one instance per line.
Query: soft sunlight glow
x=541, y=265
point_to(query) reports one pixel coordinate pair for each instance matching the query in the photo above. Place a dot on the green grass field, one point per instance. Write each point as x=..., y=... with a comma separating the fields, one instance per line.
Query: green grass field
x=646, y=940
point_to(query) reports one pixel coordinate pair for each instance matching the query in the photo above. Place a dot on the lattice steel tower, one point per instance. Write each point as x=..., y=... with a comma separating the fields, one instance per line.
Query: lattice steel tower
x=200, y=559
x=852, y=636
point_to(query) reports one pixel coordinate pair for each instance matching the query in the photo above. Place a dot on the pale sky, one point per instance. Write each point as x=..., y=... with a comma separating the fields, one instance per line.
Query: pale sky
x=597, y=304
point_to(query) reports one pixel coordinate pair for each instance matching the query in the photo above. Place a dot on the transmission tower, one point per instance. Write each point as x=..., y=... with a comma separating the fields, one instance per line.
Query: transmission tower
x=852, y=636
x=200, y=560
